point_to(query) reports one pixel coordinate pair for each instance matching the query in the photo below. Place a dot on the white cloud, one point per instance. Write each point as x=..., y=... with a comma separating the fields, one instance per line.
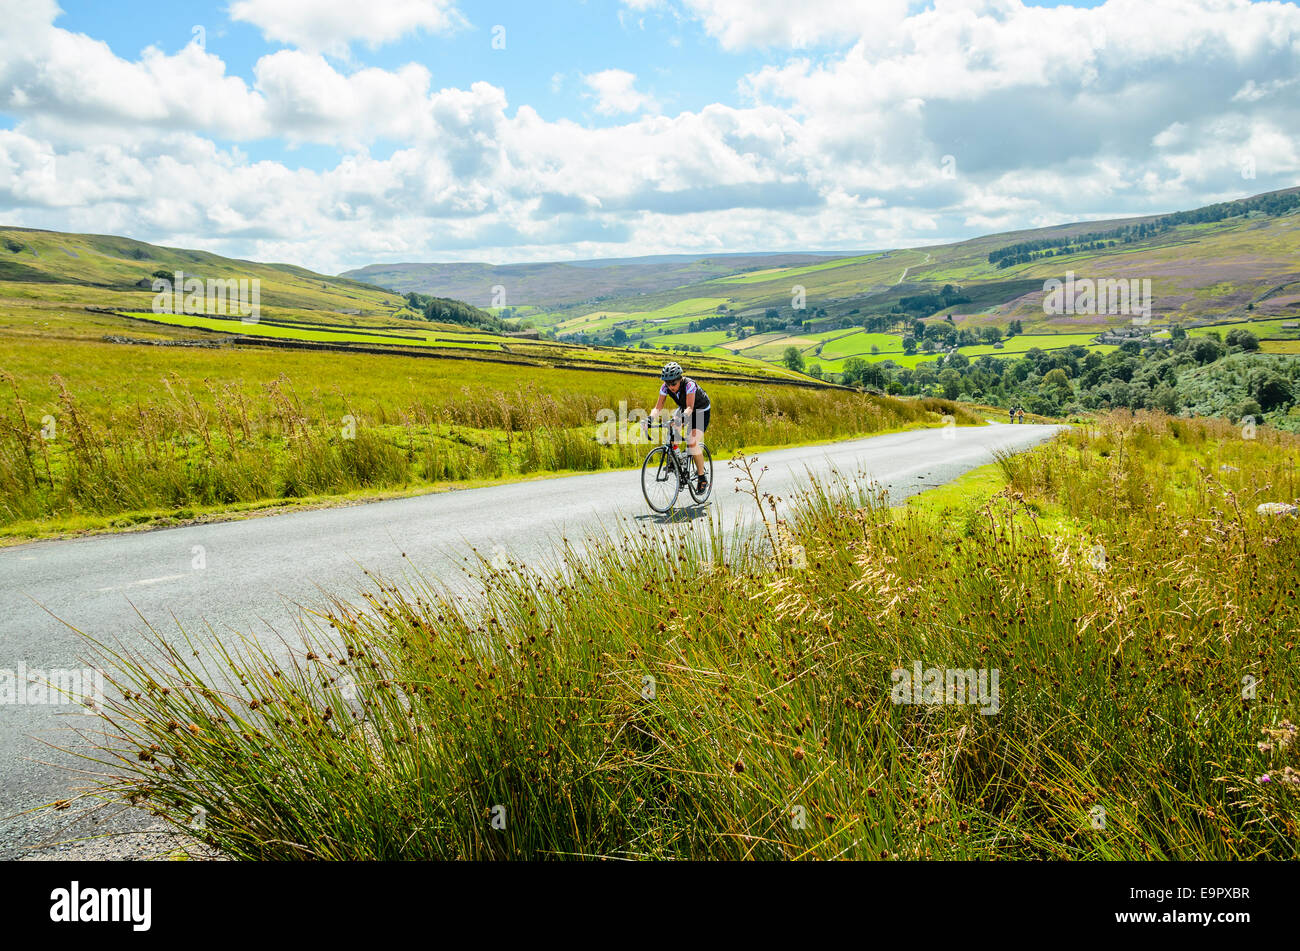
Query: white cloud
x=615, y=93
x=332, y=26
x=1132, y=107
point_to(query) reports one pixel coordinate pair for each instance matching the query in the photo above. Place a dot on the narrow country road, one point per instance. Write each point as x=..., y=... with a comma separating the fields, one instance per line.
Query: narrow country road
x=252, y=576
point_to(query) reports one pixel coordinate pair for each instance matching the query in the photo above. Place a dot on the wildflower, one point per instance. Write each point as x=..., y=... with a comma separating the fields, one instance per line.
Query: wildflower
x=1263, y=779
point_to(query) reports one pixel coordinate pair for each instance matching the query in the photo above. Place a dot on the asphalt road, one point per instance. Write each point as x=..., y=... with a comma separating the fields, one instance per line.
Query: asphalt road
x=255, y=575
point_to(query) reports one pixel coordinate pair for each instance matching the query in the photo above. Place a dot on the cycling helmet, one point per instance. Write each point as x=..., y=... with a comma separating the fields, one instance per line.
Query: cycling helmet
x=672, y=371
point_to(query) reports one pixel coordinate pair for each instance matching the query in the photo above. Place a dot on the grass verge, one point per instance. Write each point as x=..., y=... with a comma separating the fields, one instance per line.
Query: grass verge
x=700, y=695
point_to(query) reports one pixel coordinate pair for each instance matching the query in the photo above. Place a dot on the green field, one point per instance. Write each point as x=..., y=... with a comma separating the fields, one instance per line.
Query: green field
x=1270, y=329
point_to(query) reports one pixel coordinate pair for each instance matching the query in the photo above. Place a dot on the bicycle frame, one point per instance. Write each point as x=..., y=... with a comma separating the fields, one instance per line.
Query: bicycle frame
x=677, y=451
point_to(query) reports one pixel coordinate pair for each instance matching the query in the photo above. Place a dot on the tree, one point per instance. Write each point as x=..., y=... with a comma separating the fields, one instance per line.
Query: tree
x=1242, y=339
x=1059, y=384
x=875, y=375
x=793, y=359
x=1269, y=390
x=950, y=380
x=620, y=336
x=1207, y=349
x=815, y=371
x=909, y=345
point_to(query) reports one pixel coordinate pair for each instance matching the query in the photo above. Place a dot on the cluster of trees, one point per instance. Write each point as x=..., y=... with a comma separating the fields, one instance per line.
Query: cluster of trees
x=721, y=322
x=950, y=296
x=443, y=310
x=1206, y=375
x=1025, y=251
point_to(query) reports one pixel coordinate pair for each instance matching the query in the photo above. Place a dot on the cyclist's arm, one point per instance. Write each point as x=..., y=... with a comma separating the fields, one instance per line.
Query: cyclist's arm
x=658, y=406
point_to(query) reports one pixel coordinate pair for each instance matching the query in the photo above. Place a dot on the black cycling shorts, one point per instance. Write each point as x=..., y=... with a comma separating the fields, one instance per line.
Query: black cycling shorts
x=701, y=421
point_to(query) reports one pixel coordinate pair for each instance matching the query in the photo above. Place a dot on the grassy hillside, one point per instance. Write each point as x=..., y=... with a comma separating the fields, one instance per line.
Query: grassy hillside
x=540, y=287
x=1118, y=583
x=122, y=269
x=48, y=280
x=1225, y=263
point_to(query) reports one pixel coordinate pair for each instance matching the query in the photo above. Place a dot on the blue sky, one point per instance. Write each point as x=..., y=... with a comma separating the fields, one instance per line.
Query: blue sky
x=337, y=133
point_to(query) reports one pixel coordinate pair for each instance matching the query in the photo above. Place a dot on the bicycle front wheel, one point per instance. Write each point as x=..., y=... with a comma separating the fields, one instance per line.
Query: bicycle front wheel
x=702, y=497
x=659, y=480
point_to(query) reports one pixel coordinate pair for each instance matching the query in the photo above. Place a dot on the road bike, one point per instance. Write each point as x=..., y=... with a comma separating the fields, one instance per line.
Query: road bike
x=668, y=469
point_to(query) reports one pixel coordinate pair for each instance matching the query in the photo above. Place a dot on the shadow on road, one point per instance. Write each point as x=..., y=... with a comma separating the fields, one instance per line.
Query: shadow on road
x=677, y=516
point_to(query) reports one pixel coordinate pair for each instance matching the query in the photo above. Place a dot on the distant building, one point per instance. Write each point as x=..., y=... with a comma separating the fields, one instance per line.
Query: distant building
x=1141, y=335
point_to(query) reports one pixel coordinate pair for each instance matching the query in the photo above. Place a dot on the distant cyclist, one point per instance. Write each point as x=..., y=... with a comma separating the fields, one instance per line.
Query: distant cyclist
x=694, y=405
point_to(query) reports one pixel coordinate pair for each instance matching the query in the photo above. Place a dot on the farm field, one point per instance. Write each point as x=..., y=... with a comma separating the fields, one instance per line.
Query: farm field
x=1271, y=329
x=1242, y=262
x=773, y=274
x=675, y=313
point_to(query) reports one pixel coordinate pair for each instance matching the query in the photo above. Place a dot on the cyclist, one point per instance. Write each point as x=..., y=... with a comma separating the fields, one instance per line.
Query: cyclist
x=693, y=404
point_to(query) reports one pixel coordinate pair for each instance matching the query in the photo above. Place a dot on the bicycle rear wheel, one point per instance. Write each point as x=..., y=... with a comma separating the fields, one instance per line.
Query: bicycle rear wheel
x=702, y=497
x=659, y=480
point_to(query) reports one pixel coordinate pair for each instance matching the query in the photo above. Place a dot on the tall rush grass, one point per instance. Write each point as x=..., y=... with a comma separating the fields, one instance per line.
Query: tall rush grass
x=695, y=695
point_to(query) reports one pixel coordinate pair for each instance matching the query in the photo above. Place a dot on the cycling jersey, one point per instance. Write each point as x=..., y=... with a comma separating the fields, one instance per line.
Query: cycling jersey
x=688, y=387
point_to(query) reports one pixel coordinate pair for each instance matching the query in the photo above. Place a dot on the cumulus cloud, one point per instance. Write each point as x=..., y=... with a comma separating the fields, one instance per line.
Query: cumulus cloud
x=615, y=93
x=935, y=123
x=332, y=26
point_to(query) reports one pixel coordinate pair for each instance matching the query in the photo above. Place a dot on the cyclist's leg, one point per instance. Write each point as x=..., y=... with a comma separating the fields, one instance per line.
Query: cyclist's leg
x=698, y=425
